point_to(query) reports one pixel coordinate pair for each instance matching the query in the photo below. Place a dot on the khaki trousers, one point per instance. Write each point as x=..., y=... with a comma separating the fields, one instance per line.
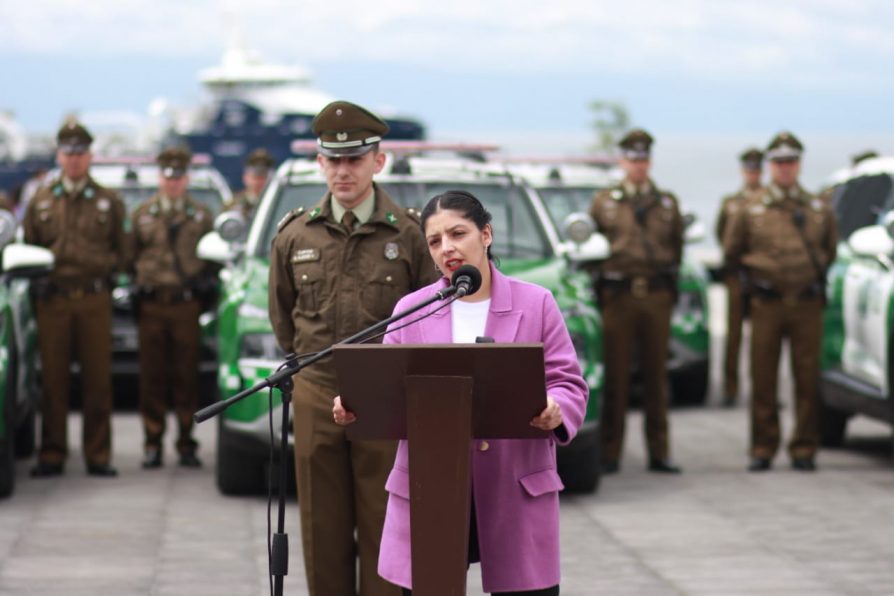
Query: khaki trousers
x=801, y=322
x=734, y=316
x=627, y=320
x=341, y=488
x=82, y=326
x=169, y=361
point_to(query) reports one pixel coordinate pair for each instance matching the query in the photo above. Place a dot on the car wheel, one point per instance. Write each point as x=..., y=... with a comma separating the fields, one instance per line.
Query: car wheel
x=832, y=424
x=689, y=387
x=239, y=472
x=7, y=443
x=26, y=433
x=581, y=469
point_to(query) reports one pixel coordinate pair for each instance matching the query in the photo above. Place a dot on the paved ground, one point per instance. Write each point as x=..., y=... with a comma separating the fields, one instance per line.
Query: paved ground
x=714, y=530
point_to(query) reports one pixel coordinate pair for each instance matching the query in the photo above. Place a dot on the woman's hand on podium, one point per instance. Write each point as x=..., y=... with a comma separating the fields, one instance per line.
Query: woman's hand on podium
x=340, y=415
x=550, y=418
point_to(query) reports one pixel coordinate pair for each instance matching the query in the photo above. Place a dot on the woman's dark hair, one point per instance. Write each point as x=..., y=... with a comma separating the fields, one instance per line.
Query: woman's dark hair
x=462, y=201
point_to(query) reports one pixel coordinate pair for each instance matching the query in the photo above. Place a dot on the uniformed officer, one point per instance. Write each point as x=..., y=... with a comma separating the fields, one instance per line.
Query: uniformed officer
x=169, y=279
x=335, y=270
x=751, y=161
x=82, y=223
x=258, y=165
x=636, y=287
x=785, y=239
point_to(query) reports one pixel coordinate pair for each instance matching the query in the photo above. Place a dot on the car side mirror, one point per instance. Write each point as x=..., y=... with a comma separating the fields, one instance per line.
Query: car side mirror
x=27, y=261
x=595, y=248
x=217, y=250
x=872, y=241
x=231, y=226
x=693, y=229
x=578, y=227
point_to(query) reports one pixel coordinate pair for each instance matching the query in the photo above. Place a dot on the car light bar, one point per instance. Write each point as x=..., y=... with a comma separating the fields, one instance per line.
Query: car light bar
x=199, y=159
x=590, y=160
x=305, y=146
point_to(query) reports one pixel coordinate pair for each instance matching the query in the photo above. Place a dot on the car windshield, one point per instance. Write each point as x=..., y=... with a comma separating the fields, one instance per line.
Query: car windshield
x=562, y=201
x=861, y=202
x=134, y=195
x=517, y=231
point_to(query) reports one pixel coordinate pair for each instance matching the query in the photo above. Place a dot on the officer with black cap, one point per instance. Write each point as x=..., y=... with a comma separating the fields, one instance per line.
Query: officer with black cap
x=255, y=175
x=336, y=269
x=636, y=288
x=170, y=278
x=751, y=161
x=82, y=223
x=784, y=240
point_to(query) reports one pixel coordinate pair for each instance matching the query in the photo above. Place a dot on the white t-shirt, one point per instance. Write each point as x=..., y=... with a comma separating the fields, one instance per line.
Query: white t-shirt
x=469, y=320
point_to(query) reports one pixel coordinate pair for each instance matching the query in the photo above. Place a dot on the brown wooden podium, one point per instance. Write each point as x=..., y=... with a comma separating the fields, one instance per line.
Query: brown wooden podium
x=439, y=397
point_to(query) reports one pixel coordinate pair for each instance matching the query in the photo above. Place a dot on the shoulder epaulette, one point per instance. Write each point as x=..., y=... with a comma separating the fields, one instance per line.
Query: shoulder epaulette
x=288, y=217
x=414, y=214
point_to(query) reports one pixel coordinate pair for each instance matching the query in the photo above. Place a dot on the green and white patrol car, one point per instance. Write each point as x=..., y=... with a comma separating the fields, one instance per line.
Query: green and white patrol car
x=858, y=361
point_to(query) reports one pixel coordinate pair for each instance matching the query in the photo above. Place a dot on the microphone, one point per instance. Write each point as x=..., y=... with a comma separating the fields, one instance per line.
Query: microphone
x=466, y=280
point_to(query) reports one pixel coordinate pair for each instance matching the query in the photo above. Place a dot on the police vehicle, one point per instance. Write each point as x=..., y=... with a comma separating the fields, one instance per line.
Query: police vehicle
x=19, y=387
x=527, y=244
x=858, y=362
x=566, y=186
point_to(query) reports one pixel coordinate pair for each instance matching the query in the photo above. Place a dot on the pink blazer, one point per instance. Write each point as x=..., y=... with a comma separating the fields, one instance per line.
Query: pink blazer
x=514, y=483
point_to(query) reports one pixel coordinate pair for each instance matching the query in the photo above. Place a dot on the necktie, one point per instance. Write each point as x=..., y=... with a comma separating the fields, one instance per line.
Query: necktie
x=348, y=220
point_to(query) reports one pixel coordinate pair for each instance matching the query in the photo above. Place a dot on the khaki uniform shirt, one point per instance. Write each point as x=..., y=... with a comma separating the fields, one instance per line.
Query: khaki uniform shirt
x=732, y=203
x=162, y=238
x=84, y=229
x=326, y=285
x=763, y=238
x=647, y=249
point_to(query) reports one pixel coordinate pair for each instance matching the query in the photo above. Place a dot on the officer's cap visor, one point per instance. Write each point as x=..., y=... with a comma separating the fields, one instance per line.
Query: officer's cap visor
x=353, y=151
x=635, y=154
x=74, y=148
x=172, y=172
x=784, y=153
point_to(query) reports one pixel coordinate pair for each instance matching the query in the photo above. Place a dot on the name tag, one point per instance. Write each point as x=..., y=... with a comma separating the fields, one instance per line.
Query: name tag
x=306, y=254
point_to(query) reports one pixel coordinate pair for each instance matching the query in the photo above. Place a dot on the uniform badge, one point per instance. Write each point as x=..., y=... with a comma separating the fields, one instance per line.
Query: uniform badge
x=103, y=204
x=756, y=209
x=58, y=190
x=666, y=202
x=617, y=194
x=816, y=204
x=305, y=255
x=89, y=192
x=391, y=251
x=46, y=204
x=341, y=136
x=314, y=213
x=391, y=219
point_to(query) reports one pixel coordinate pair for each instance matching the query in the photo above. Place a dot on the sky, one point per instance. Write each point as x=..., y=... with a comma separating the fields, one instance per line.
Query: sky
x=518, y=71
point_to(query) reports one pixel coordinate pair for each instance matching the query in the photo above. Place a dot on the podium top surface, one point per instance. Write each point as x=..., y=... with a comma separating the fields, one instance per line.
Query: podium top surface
x=509, y=385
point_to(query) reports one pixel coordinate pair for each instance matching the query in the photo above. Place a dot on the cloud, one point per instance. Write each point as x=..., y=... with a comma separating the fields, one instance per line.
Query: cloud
x=811, y=42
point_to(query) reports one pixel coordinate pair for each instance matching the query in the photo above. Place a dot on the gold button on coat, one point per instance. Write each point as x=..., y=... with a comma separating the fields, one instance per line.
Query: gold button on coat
x=483, y=446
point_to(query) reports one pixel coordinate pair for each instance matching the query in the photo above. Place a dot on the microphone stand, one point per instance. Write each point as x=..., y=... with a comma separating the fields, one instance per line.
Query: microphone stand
x=282, y=380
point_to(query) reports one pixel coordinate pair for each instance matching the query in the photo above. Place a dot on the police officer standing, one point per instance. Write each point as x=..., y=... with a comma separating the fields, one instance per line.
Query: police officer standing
x=169, y=279
x=255, y=176
x=82, y=224
x=785, y=240
x=636, y=288
x=334, y=270
x=751, y=161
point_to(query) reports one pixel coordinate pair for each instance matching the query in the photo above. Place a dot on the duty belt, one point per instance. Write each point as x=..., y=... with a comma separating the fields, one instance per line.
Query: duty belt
x=766, y=291
x=165, y=294
x=70, y=290
x=639, y=285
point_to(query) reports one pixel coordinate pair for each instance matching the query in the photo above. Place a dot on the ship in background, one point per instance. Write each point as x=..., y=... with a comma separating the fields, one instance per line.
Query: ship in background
x=257, y=104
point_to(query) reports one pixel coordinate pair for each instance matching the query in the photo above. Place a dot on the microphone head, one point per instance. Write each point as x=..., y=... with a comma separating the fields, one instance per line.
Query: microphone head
x=467, y=275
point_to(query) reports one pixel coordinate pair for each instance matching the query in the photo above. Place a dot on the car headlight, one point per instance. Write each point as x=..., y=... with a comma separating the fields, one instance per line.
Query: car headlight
x=260, y=346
